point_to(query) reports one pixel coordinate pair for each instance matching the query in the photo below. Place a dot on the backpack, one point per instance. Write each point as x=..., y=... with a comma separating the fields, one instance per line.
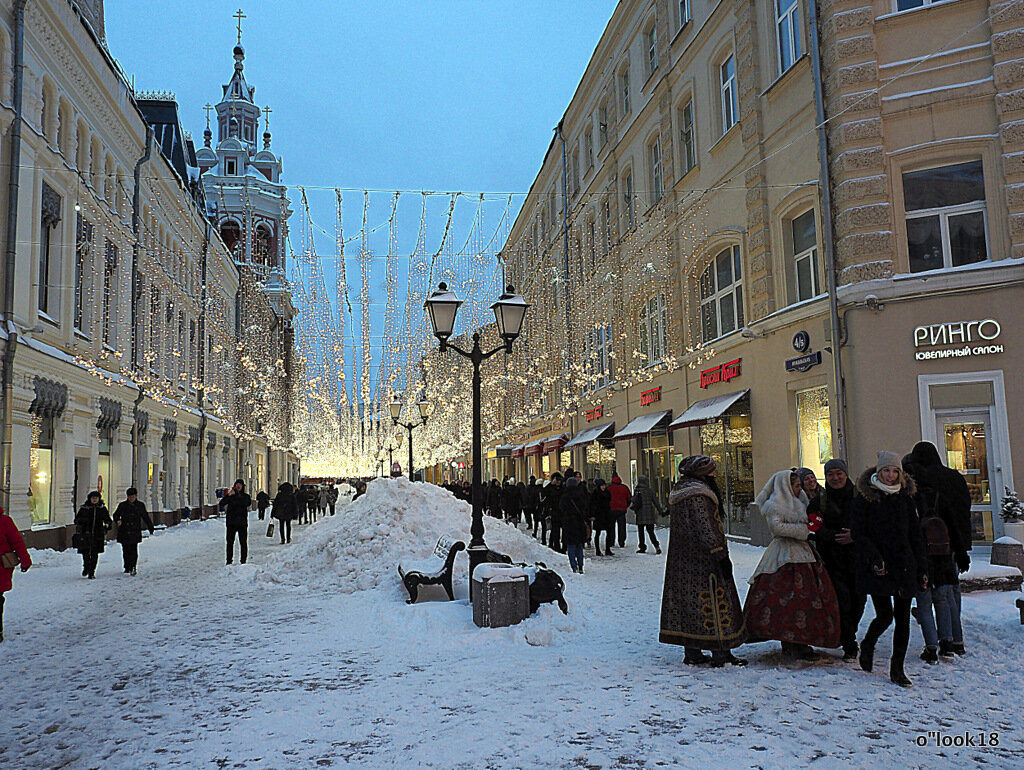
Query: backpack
x=936, y=536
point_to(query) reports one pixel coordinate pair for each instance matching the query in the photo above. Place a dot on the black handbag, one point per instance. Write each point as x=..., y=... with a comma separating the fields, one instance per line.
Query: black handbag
x=270, y=529
x=80, y=541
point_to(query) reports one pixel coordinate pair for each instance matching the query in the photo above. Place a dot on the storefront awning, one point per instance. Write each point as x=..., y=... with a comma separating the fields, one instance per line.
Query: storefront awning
x=556, y=442
x=589, y=435
x=534, y=448
x=708, y=410
x=517, y=451
x=642, y=425
x=499, y=452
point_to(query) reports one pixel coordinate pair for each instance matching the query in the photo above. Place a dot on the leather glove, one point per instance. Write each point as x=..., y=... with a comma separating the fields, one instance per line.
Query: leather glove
x=963, y=561
x=726, y=565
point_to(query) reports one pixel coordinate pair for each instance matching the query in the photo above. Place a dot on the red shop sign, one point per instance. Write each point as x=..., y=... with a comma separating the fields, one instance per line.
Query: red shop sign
x=648, y=397
x=596, y=413
x=721, y=373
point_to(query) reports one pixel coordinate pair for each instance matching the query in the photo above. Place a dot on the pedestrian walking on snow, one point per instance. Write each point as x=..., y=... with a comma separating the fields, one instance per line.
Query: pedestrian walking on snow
x=620, y=499
x=236, y=504
x=12, y=553
x=601, y=516
x=285, y=510
x=892, y=565
x=332, y=496
x=129, y=517
x=322, y=499
x=531, y=502
x=512, y=502
x=646, y=507
x=700, y=608
x=92, y=523
x=262, y=501
x=574, y=506
x=791, y=598
x=553, y=510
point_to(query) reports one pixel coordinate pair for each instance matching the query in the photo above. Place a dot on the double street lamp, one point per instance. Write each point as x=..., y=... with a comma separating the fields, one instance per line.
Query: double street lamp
x=396, y=412
x=509, y=311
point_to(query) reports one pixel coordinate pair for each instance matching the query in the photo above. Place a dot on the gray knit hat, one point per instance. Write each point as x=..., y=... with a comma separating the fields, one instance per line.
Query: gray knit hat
x=837, y=464
x=885, y=459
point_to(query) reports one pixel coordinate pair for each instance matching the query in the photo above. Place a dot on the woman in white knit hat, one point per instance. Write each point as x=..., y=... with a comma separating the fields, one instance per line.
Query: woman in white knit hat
x=891, y=560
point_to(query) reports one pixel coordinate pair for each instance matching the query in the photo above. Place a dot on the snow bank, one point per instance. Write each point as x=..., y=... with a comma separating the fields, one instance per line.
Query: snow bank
x=395, y=522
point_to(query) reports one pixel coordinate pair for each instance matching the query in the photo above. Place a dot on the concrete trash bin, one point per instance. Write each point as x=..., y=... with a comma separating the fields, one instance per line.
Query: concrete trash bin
x=501, y=596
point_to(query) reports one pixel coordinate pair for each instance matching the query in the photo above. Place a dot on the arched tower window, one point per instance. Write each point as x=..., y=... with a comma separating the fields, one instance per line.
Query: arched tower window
x=263, y=247
x=231, y=234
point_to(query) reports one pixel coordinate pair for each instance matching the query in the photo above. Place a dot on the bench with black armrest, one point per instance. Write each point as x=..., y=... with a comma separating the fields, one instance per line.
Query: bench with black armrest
x=435, y=570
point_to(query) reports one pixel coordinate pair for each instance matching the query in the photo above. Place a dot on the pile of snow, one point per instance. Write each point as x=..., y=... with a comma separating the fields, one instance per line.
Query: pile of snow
x=395, y=522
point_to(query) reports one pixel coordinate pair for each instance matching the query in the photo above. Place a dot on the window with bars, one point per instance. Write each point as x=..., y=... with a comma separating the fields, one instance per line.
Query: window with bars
x=687, y=137
x=730, y=101
x=652, y=328
x=787, y=27
x=946, y=216
x=721, y=295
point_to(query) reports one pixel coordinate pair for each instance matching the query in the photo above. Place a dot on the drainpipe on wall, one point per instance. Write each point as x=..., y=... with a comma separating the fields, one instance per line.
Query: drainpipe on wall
x=839, y=420
x=136, y=232
x=11, y=252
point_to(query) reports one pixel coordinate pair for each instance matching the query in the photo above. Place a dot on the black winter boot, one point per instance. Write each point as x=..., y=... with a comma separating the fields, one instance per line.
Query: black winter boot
x=930, y=656
x=867, y=654
x=896, y=674
x=946, y=649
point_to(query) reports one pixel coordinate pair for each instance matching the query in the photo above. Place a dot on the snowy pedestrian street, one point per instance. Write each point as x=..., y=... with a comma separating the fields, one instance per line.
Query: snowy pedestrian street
x=308, y=656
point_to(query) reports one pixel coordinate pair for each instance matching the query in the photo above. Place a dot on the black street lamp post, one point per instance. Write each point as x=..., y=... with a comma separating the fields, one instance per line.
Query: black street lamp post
x=509, y=311
x=396, y=412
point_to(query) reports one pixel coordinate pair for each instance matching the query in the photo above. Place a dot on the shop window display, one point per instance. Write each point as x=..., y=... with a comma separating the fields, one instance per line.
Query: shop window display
x=814, y=429
x=967, y=452
x=656, y=454
x=729, y=442
x=599, y=461
x=41, y=470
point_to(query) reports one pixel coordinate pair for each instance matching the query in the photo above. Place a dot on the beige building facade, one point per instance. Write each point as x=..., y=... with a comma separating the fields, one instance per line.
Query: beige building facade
x=677, y=251
x=123, y=355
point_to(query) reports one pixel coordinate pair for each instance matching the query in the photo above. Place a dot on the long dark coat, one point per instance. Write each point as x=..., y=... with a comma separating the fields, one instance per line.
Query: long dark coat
x=947, y=492
x=646, y=505
x=600, y=509
x=887, y=533
x=699, y=606
x=129, y=518
x=236, y=508
x=286, y=507
x=512, y=501
x=574, y=506
x=835, y=507
x=93, y=521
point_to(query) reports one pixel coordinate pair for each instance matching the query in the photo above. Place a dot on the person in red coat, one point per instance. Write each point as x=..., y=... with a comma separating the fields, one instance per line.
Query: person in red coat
x=10, y=542
x=621, y=497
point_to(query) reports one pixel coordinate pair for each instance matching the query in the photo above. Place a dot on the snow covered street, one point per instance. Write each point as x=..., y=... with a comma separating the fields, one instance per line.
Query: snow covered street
x=308, y=656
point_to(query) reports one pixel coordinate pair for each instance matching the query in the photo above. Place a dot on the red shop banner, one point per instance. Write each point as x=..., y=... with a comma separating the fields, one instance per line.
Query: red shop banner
x=721, y=373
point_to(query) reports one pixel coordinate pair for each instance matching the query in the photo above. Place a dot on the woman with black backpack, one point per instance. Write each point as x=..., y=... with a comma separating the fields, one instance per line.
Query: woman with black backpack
x=91, y=525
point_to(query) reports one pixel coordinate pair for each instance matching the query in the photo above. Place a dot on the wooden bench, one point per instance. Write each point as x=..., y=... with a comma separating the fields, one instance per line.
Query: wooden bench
x=436, y=570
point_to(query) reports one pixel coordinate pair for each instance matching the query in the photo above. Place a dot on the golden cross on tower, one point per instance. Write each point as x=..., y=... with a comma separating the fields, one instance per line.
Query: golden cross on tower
x=239, y=16
x=267, y=111
x=207, y=109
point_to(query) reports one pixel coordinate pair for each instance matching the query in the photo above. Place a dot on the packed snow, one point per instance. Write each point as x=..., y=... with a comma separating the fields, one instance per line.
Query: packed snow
x=308, y=656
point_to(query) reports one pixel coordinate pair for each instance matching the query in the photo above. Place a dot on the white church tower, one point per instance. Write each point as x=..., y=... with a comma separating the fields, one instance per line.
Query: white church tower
x=244, y=194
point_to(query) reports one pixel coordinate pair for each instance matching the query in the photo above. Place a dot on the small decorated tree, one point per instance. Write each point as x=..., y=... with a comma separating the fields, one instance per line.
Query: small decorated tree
x=1011, y=508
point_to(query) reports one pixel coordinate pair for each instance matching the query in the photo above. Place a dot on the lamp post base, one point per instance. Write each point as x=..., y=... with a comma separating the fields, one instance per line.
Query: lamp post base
x=477, y=556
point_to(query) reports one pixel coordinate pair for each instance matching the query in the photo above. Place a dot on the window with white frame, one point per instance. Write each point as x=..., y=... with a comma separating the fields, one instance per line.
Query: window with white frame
x=909, y=5
x=730, y=100
x=629, y=200
x=653, y=323
x=652, y=48
x=602, y=123
x=684, y=12
x=787, y=27
x=805, y=256
x=599, y=358
x=110, y=294
x=721, y=295
x=574, y=169
x=624, y=89
x=83, y=246
x=657, y=177
x=687, y=137
x=588, y=148
x=946, y=216
x=154, y=327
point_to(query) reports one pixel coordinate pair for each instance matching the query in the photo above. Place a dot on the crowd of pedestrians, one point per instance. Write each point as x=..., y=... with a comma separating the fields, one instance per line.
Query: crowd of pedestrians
x=899, y=535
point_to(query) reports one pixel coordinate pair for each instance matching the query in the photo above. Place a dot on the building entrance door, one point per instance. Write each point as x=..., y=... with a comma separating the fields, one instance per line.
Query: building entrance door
x=965, y=437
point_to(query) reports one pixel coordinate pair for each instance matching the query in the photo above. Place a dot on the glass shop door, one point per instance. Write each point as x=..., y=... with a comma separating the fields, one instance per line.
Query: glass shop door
x=966, y=436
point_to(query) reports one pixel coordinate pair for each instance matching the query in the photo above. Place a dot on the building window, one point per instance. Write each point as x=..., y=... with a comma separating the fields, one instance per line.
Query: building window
x=652, y=49
x=814, y=429
x=592, y=242
x=83, y=245
x=574, y=171
x=945, y=209
x=49, y=218
x=602, y=123
x=805, y=256
x=721, y=295
x=787, y=25
x=110, y=294
x=730, y=103
x=154, y=327
x=588, y=148
x=624, y=89
x=687, y=137
x=909, y=5
x=684, y=12
x=230, y=166
x=41, y=469
x=599, y=359
x=629, y=201
x=606, y=225
x=653, y=322
x=657, y=178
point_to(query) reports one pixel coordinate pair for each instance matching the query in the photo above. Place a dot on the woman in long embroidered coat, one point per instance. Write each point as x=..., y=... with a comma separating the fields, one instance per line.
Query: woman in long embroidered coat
x=791, y=597
x=700, y=608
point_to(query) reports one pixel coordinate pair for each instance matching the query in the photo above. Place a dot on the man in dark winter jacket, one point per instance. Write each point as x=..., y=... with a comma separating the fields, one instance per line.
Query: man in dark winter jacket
x=236, y=504
x=621, y=497
x=941, y=492
x=835, y=544
x=262, y=502
x=332, y=496
x=512, y=502
x=552, y=509
x=129, y=517
x=574, y=505
x=531, y=501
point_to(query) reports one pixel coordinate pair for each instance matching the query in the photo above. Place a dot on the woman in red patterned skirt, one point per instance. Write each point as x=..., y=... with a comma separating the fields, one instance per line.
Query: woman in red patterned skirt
x=791, y=597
